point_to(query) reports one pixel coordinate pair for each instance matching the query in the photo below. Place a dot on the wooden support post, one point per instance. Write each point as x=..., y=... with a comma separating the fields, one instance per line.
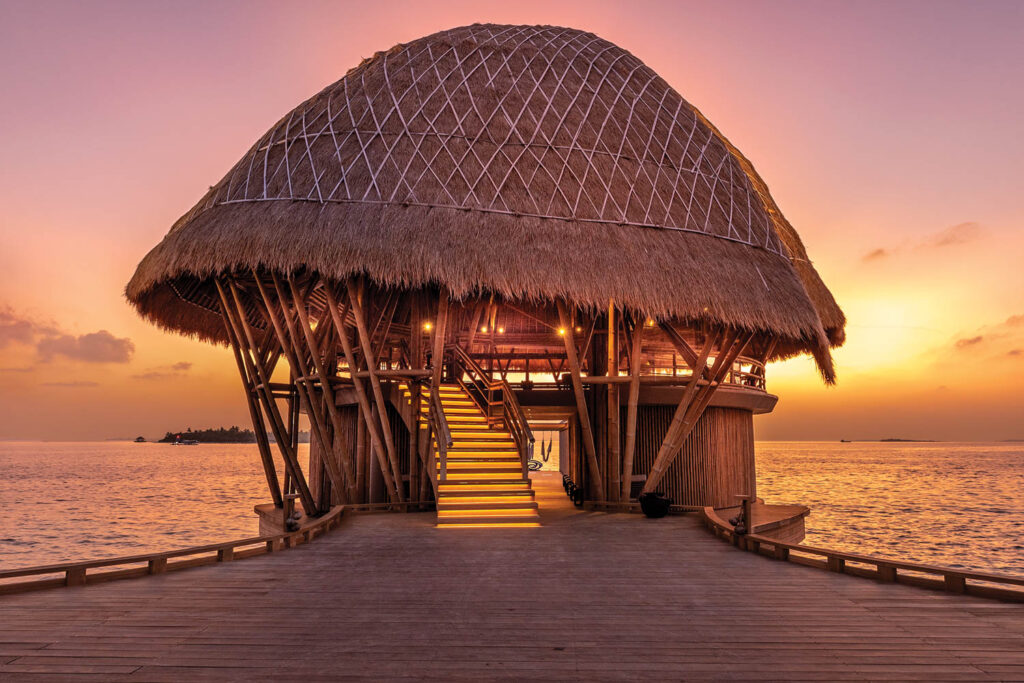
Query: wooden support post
x=378, y=394
x=581, y=402
x=347, y=463
x=258, y=426
x=364, y=405
x=679, y=430
x=666, y=453
x=415, y=400
x=612, y=391
x=440, y=332
x=294, y=353
x=631, y=409
x=236, y=316
x=362, y=461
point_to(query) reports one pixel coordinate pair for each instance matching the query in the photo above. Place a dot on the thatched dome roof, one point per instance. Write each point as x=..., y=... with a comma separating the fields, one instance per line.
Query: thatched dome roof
x=531, y=161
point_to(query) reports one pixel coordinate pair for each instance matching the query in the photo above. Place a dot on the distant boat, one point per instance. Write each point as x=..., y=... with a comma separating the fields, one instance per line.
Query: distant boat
x=140, y=439
x=845, y=441
x=185, y=442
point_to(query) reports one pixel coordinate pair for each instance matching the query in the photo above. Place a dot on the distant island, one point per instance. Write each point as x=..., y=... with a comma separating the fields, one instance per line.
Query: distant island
x=220, y=435
x=908, y=440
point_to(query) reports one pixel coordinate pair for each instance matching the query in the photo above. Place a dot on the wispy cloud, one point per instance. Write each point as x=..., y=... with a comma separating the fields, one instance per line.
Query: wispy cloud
x=95, y=347
x=71, y=385
x=1003, y=338
x=961, y=233
x=50, y=341
x=969, y=342
x=165, y=371
x=954, y=235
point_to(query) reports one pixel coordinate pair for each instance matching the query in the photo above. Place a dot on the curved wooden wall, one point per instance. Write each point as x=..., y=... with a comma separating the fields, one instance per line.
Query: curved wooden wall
x=717, y=460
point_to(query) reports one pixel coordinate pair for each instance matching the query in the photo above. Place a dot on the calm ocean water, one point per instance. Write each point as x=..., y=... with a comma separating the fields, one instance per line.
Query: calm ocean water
x=954, y=504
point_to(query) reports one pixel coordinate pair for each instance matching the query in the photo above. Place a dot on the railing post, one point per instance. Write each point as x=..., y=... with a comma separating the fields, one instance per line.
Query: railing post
x=158, y=565
x=74, y=576
x=955, y=583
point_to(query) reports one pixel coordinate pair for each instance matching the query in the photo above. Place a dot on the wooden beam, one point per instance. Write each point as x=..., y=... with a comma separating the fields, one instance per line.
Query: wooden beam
x=680, y=430
x=440, y=331
x=347, y=462
x=378, y=393
x=338, y=319
x=259, y=428
x=665, y=452
x=581, y=401
x=295, y=355
x=631, y=409
x=242, y=332
x=415, y=362
x=614, y=448
x=681, y=346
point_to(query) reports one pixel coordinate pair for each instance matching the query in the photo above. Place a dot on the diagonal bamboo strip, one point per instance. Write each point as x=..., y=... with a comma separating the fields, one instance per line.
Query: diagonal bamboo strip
x=378, y=394
x=581, y=401
x=369, y=420
x=665, y=453
x=325, y=381
x=262, y=442
x=270, y=407
x=347, y=463
x=720, y=368
x=294, y=353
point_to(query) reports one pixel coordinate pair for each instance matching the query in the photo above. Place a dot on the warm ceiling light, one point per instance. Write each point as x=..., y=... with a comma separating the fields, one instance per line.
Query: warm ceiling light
x=649, y=322
x=579, y=329
x=484, y=328
x=501, y=330
x=561, y=331
x=427, y=326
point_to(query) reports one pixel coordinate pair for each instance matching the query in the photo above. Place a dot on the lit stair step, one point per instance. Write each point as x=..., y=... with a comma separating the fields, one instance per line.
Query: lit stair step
x=497, y=504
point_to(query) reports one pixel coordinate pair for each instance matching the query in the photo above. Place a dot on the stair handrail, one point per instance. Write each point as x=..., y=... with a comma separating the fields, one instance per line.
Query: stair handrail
x=479, y=386
x=518, y=426
x=513, y=415
x=439, y=426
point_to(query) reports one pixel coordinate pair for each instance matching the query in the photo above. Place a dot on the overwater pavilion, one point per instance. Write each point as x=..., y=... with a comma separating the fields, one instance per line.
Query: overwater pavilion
x=482, y=236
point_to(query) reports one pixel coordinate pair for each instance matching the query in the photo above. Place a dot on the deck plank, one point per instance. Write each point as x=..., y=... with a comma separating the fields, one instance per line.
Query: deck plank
x=588, y=596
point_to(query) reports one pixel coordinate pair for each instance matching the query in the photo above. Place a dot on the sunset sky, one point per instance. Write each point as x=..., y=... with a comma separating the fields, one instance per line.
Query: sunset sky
x=889, y=132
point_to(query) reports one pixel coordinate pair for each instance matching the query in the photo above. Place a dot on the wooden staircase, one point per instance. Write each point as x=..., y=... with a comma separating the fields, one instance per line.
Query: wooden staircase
x=485, y=486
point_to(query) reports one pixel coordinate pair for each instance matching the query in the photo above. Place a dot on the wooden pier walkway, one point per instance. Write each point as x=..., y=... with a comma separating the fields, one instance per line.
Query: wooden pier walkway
x=587, y=596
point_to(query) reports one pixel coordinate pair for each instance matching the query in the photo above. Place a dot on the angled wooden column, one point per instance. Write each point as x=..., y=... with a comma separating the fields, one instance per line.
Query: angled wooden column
x=614, y=448
x=378, y=393
x=347, y=463
x=376, y=442
x=258, y=426
x=307, y=398
x=665, y=453
x=236, y=316
x=581, y=400
x=680, y=344
x=683, y=424
x=631, y=408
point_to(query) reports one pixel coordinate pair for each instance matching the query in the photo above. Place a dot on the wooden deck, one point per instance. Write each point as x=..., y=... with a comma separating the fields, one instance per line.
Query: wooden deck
x=587, y=596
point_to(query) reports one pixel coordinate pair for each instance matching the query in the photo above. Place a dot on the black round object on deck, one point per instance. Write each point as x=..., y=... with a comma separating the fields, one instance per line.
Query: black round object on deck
x=655, y=504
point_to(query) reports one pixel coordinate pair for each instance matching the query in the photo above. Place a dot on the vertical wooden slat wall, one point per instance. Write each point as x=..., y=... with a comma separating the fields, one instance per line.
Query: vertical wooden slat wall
x=716, y=462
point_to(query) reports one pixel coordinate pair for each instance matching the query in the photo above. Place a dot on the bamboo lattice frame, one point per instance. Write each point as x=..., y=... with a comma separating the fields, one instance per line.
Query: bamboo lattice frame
x=533, y=162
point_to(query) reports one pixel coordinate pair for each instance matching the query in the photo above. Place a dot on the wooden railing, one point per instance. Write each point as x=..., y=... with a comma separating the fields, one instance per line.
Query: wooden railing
x=983, y=584
x=82, y=573
x=481, y=388
x=438, y=428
